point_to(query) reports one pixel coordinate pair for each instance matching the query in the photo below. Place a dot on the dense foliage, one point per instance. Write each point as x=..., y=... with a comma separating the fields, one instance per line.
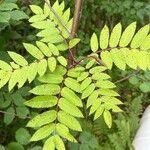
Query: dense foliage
x=79, y=105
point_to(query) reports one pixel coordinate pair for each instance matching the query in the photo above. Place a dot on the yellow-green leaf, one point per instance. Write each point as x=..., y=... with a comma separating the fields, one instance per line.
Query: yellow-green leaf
x=62, y=60
x=140, y=36
x=107, y=59
x=99, y=112
x=69, y=108
x=118, y=58
x=94, y=42
x=63, y=131
x=72, y=84
x=42, y=102
x=43, y=132
x=52, y=63
x=49, y=144
x=18, y=58
x=85, y=83
x=107, y=118
x=33, y=50
x=73, y=42
x=4, y=78
x=88, y=91
x=92, y=98
x=104, y=37
x=44, y=48
x=146, y=43
x=46, y=89
x=69, y=121
x=127, y=35
x=42, y=119
x=71, y=96
x=42, y=67
x=53, y=49
x=32, y=71
x=115, y=35
x=59, y=144
x=4, y=66
x=36, y=9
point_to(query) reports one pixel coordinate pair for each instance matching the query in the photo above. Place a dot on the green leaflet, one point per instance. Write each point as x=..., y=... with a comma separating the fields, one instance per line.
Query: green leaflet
x=62, y=47
x=60, y=70
x=108, y=118
x=74, y=73
x=59, y=144
x=127, y=35
x=49, y=144
x=69, y=121
x=106, y=58
x=71, y=96
x=99, y=112
x=129, y=58
x=47, y=32
x=52, y=63
x=82, y=76
x=46, y=8
x=14, y=65
x=94, y=43
x=37, y=18
x=34, y=51
x=51, y=78
x=13, y=79
x=5, y=78
x=58, y=8
x=92, y=98
x=95, y=106
x=43, y=132
x=108, y=92
x=72, y=84
x=100, y=76
x=23, y=76
x=115, y=108
x=115, y=35
x=90, y=64
x=111, y=100
x=97, y=69
x=73, y=42
x=42, y=67
x=138, y=55
x=104, y=37
x=88, y=91
x=118, y=58
x=63, y=131
x=85, y=83
x=43, y=119
x=79, y=68
x=69, y=108
x=53, y=39
x=53, y=49
x=62, y=61
x=42, y=102
x=140, y=36
x=44, y=48
x=18, y=59
x=146, y=44
x=36, y=9
x=46, y=89
x=32, y=71
x=4, y=66
x=66, y=16
x=43, y=24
